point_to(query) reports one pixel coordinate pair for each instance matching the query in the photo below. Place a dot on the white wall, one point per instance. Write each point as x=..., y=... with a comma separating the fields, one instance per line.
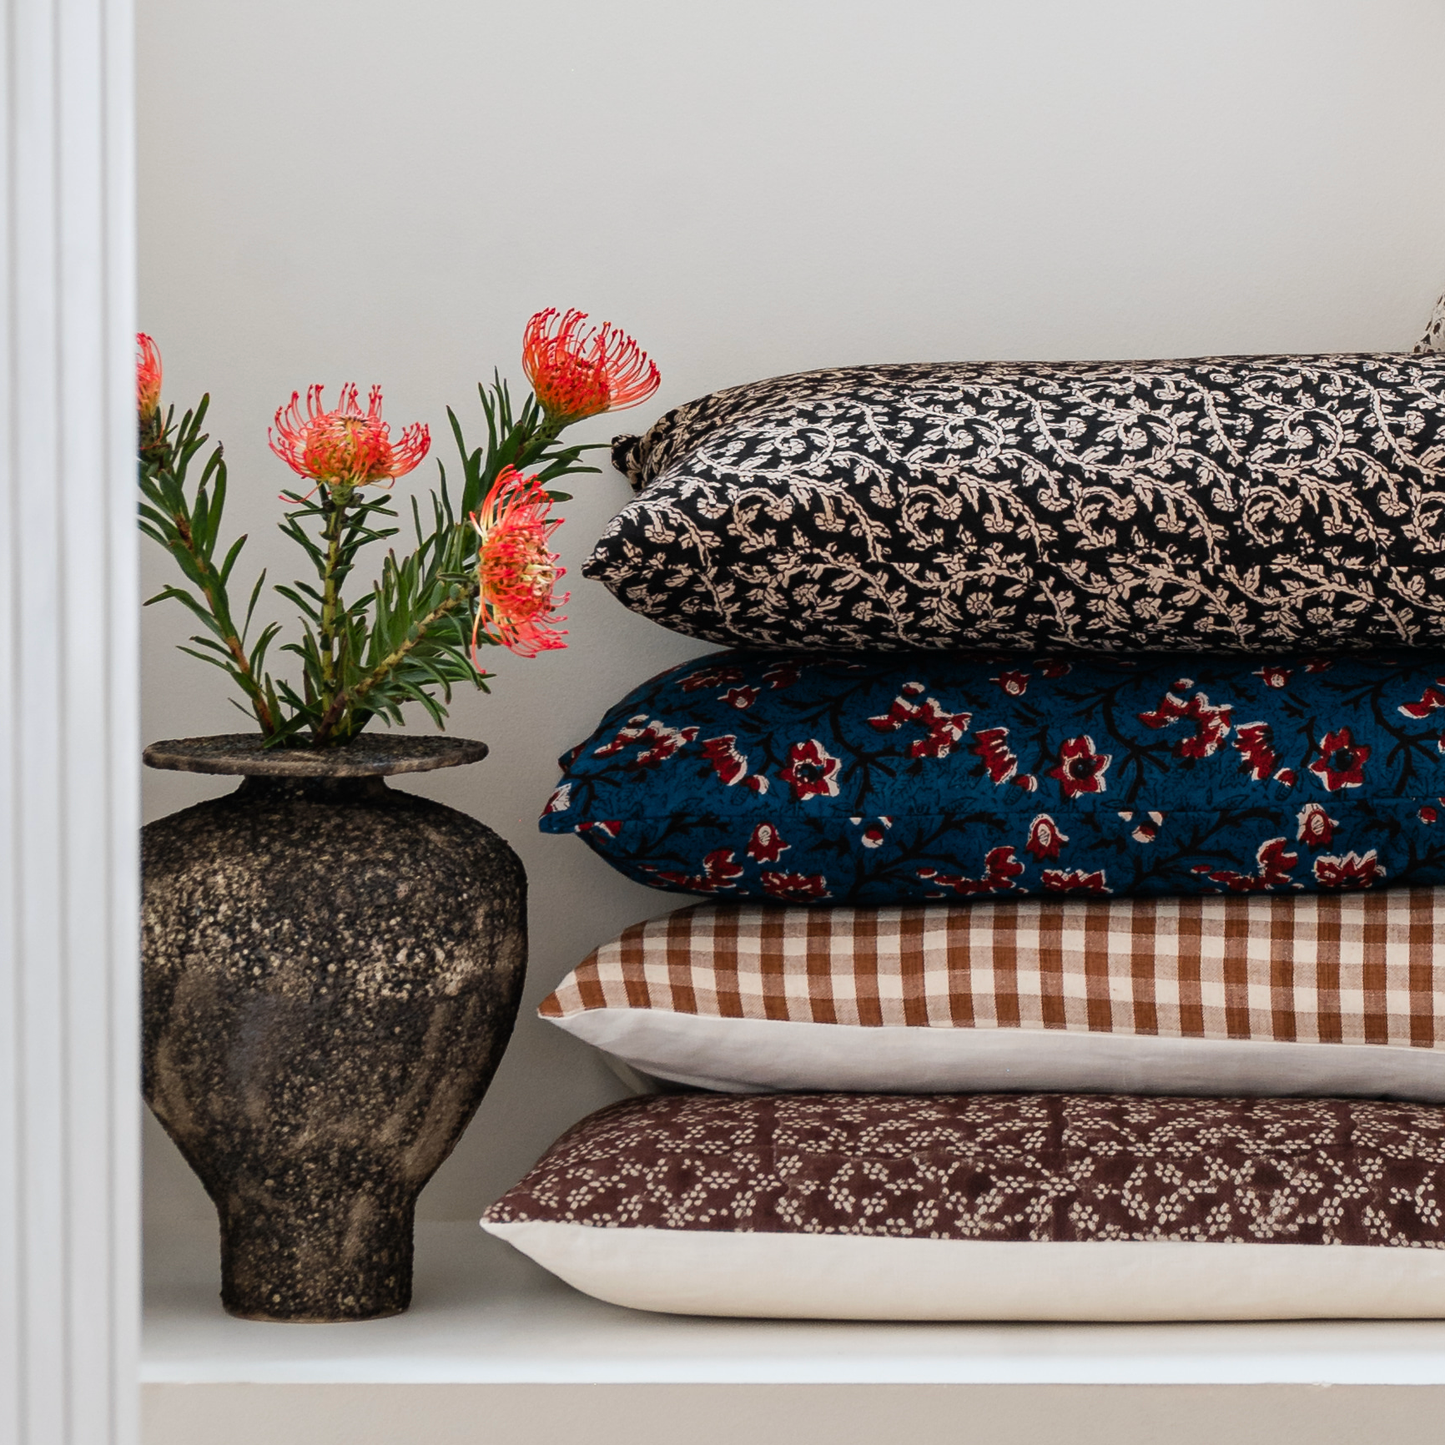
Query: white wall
x=361, y=189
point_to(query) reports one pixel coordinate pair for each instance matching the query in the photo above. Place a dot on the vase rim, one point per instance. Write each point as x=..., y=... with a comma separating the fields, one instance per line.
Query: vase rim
x=372, y=755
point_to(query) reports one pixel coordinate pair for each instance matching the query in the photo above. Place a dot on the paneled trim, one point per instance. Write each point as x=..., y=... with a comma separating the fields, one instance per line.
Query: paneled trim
x=69, y=749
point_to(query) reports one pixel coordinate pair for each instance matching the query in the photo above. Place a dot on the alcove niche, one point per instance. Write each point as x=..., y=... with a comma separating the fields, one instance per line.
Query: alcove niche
x=327, y=192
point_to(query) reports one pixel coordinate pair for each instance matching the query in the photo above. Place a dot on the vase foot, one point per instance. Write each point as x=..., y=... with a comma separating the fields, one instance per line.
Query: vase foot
x=311, y=1265
x=265, y=1319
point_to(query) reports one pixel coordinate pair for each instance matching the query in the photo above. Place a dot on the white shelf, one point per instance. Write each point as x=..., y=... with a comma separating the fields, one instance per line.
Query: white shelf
x=484, y=1314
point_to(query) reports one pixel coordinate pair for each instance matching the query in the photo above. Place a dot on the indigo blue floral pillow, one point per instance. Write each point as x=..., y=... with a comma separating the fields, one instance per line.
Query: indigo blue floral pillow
x=939, y=775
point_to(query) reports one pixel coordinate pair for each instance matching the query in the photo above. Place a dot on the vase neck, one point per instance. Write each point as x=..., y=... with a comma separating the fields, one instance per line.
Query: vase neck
x=314, y=790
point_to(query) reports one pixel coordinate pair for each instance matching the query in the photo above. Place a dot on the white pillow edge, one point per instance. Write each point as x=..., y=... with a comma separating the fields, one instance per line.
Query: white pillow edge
x=871, y=1277
x=732, y=1055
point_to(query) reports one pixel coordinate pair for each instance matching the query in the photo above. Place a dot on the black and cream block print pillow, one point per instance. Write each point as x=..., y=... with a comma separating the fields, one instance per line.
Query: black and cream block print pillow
x=1222, y=503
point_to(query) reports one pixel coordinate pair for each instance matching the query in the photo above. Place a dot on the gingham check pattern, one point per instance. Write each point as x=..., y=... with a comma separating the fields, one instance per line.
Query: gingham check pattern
x=1354, y=968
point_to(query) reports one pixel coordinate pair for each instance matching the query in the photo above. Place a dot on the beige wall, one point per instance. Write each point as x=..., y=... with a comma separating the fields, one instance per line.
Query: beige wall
x=363, y=189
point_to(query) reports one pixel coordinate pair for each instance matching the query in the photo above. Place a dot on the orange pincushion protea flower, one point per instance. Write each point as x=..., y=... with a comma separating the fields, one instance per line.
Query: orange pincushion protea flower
x=577, y=373
x=346, y=447
x=147, y=377
x=516, y=572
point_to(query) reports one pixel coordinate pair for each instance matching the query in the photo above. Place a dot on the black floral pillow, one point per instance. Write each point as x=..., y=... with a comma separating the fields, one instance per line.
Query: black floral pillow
x=1222, y=504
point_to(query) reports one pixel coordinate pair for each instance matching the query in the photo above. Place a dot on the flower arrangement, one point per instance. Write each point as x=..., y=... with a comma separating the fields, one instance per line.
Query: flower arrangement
x=480, y=570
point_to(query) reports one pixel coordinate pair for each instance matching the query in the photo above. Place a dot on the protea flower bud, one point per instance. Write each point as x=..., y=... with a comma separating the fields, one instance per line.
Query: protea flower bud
x=346, y=447
x=516, y=573
x=577, y=373
x=148, y=379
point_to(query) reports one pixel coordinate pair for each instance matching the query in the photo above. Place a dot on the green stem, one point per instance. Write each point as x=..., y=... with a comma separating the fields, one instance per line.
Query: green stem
x=336, y=500
x=530, y=448
x=394, y=660
x=211, y=591
x=345, y=702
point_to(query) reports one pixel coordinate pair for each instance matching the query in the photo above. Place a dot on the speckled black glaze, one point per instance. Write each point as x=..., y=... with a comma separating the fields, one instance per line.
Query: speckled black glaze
x=332, y=970
x=369, y=756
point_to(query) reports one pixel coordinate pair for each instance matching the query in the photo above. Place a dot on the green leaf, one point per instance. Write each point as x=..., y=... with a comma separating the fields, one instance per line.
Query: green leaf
x=231, y=560
x=258, y=652
x=255, y=595
x=204, y=657
x=294, y=597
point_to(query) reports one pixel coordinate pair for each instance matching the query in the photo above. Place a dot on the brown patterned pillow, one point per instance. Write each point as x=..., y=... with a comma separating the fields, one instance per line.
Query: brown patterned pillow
x=994, y=1206
x=1253, y=994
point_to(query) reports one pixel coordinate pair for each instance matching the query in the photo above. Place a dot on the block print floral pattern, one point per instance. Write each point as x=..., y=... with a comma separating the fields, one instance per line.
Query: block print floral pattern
x=1228, y=503
x=908, y=777
x=1006, y=1167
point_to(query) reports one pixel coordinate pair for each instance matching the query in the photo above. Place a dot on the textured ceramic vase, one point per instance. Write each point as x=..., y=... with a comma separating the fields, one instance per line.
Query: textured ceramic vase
x=332, y=971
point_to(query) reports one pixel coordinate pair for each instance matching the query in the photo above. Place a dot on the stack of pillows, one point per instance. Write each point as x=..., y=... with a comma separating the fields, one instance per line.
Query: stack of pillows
x=1067, y=809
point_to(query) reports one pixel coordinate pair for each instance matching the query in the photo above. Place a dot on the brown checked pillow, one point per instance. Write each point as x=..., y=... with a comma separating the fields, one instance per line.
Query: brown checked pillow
x=1251, y=994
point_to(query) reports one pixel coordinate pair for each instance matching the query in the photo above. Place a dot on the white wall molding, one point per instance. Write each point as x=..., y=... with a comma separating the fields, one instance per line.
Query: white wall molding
x=68, y=740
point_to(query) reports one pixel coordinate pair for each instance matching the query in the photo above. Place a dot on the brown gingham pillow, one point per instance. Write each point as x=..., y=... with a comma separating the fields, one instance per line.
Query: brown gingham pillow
x=1260, y=994
x=994, y=1206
